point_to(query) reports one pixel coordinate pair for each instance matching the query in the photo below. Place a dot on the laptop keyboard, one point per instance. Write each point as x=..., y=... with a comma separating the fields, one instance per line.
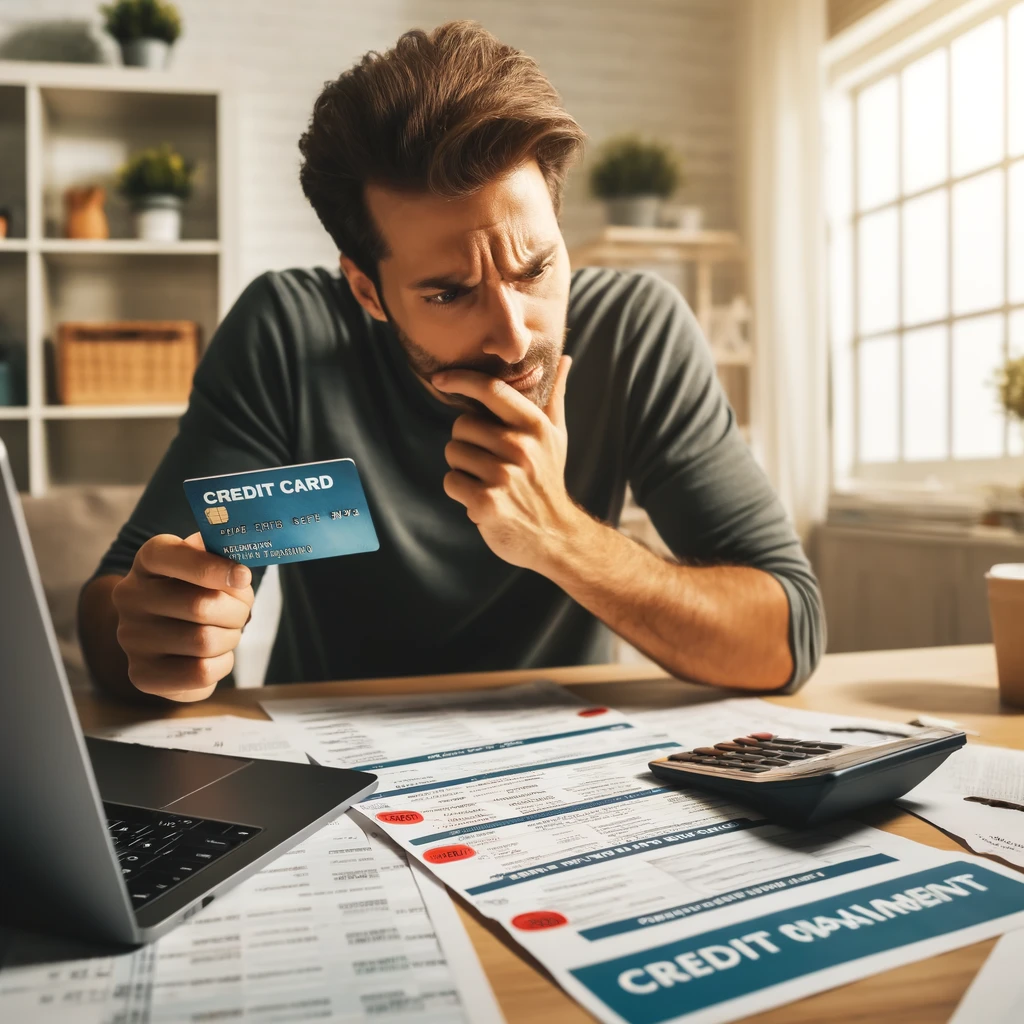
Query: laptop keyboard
x=157, y=850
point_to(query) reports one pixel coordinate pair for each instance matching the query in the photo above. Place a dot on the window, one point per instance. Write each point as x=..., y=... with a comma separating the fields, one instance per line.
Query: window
x=925, y=170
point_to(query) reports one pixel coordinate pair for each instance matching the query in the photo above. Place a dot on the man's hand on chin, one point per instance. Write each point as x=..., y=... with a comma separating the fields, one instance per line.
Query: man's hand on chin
x=510, y=475
x=721, y=624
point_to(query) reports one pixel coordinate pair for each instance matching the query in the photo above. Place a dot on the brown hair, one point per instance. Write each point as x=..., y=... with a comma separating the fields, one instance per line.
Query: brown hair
x=443, y=112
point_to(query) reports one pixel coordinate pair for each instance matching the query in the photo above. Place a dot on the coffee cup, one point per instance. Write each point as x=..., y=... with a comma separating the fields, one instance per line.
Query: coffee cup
x=1006, y=612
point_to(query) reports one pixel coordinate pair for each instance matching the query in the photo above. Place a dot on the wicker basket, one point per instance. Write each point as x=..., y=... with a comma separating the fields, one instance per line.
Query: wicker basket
x=130, y=362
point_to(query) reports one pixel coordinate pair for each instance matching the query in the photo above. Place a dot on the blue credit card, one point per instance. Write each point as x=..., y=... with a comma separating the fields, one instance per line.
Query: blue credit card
x=287, y=514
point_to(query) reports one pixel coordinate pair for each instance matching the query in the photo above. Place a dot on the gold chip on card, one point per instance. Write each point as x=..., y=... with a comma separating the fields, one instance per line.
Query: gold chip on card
x=216, y=516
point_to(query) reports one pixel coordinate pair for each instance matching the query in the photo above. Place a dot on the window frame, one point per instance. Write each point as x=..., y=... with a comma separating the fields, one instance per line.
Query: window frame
x=852, y=66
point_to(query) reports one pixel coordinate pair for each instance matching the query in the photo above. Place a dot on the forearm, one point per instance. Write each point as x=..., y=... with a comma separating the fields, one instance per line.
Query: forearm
x=97, y=632
x=723, y=625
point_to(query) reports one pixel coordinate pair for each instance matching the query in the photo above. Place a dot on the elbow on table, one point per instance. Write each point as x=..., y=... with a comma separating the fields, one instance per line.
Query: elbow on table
x=808, y=632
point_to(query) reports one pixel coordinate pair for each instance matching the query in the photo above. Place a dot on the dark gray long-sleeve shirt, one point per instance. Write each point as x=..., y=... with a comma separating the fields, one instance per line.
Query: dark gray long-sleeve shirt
x=298, y=372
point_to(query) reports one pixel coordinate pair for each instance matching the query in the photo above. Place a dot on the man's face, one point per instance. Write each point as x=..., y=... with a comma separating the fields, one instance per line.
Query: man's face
x=480, y=283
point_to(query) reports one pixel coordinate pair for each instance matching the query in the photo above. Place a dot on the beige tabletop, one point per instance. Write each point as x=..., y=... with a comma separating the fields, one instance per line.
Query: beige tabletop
x=948, y=682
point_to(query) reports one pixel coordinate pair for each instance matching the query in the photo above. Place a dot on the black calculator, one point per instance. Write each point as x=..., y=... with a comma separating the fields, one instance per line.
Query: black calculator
x=803, y=782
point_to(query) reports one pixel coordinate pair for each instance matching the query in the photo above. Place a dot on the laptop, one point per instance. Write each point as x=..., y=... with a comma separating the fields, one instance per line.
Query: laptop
x=120, y=842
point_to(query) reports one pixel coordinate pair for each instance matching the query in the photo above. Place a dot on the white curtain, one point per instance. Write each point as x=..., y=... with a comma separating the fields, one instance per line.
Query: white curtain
x=781, y=107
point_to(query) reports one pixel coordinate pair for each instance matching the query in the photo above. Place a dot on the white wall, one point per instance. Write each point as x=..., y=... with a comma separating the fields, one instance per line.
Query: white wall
x=661, y=67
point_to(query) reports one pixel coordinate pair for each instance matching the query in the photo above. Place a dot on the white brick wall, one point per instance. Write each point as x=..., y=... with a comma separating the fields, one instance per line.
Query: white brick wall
x=662, y=67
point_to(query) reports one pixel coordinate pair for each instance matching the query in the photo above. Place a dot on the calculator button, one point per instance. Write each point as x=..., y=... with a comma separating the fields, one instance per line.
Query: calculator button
x=774, y=761
x=762, y=736
x=684, y=756
x=745, y=741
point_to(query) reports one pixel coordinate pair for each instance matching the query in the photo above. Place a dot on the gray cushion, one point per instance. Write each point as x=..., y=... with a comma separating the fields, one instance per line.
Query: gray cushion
x=71, y=528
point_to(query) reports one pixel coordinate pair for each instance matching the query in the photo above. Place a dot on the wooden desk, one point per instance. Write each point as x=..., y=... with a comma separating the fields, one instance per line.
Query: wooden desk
x=951, y=682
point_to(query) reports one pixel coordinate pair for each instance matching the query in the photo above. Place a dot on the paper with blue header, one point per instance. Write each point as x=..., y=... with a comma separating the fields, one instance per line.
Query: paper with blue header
x=649, y=904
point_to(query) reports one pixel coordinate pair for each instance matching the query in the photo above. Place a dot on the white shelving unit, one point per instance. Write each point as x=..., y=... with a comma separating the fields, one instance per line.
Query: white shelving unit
x=671, y=251
x=64, y=125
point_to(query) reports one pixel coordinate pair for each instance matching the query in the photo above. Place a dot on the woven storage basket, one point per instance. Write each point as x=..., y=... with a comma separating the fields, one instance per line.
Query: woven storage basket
x=130, y=362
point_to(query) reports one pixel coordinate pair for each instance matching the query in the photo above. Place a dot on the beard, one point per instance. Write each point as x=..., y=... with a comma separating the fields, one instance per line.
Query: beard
x=543, y=352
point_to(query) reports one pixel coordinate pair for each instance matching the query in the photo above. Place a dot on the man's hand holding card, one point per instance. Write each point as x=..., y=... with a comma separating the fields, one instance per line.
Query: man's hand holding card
x=181, y=611
x=182, y=607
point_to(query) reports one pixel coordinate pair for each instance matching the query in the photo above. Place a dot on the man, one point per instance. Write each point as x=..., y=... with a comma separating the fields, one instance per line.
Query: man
x=496, y=404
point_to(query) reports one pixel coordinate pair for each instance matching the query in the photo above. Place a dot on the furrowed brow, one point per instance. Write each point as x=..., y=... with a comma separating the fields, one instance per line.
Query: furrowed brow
x=541, y=256
x=439, y=283
x=453, y=281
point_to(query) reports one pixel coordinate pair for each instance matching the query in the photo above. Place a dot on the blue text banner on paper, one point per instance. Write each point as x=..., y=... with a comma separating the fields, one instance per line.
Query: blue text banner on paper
x=670, y=980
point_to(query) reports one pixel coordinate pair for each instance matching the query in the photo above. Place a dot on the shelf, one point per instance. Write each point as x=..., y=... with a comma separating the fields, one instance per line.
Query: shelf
x=49, y=74
x=618, y=245
x=106, y=285
x=164, y=411
x=86, y=134
x=670, y=236
x=126, y=247
x=64, y=126
x=731, y=358
x=114, y=412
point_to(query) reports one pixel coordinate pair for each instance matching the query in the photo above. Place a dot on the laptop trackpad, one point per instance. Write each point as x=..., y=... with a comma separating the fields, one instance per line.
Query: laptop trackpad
x=129, y=773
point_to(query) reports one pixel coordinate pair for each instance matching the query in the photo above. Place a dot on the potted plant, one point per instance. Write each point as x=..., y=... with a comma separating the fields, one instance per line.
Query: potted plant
x=1010, y=383
x=145, y=30
x=633, y=177
x=156, y=181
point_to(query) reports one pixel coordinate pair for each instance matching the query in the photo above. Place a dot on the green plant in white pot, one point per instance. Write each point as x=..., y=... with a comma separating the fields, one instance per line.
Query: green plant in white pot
x=145, y=29
x=156, y=182
x=634, y=177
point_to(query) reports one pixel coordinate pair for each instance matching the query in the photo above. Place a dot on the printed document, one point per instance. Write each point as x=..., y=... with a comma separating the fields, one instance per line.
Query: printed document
x=714, y=721
x=215, y=734
x=340, y=928
x=646, y=902
x=977, y=795
x=996, y=995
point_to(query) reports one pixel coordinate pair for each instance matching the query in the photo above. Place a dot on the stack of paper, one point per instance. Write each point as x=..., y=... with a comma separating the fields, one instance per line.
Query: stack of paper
x=340, y=928
x=976, y=794
x=215, y=734
x=647, y=903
